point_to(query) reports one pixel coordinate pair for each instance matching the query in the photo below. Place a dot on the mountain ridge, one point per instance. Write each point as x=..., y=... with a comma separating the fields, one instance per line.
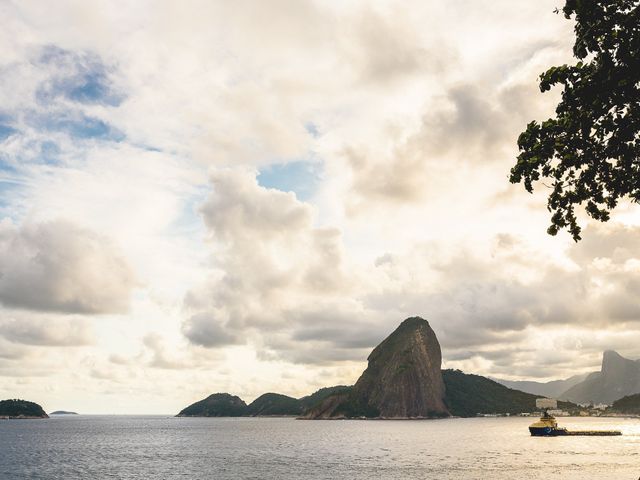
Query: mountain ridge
x=551, y=389
x=403, y=379
x=617, y=378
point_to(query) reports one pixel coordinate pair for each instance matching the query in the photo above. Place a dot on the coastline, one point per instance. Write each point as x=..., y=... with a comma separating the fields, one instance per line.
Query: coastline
x=22, y=417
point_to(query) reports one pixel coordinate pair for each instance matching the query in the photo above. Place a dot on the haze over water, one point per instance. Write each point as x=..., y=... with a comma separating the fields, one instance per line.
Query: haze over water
x=145, y=447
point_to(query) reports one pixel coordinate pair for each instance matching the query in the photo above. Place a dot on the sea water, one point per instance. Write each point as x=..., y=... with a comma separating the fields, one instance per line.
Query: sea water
x=164, y=447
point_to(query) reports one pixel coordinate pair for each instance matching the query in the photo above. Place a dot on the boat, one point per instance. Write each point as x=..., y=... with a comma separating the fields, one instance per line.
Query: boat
x=548, y=427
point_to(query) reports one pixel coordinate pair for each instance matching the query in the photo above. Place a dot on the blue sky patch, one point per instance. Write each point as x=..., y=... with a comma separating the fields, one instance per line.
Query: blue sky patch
x=312, y=129
x=81, y=127
x=300, y=177
x=6, y=131
x=49, y=153
x=6, y=166
x=80, y=77
x=91, y=87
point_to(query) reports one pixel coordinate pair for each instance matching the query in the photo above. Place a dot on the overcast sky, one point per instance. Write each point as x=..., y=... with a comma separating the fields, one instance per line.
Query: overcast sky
x=247, y=196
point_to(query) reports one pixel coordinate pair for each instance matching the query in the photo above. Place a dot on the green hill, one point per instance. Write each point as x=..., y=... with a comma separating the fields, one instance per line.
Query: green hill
x=21, y=408
x=628, y=404
x=268, y=404
x=216, y=405
x=274, y=404
x=468, y=395
x=319, y=395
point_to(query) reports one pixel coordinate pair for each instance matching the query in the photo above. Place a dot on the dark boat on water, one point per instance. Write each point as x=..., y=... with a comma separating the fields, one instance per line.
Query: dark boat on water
x=548, y=427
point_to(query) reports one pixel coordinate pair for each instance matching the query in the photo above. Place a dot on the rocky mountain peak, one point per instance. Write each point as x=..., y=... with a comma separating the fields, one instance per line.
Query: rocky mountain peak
x=611, y=361
x=402, y=380
x=618, y=377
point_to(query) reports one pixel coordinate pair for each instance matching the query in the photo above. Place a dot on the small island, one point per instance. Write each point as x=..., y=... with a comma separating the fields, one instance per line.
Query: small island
x=21, y=409
x=62, y=412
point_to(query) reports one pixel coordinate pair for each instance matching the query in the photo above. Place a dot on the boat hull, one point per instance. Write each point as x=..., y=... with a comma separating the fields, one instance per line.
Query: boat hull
x=547, y=431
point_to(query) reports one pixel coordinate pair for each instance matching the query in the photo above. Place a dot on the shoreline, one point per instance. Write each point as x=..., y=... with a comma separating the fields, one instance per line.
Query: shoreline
x=22, y=417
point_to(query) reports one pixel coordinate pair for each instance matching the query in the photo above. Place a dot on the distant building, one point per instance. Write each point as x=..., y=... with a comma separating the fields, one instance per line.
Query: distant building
x=558, y=413
x=546, y=403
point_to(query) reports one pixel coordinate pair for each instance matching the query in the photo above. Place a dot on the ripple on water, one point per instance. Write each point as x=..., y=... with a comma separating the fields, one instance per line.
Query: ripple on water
x=147, y=447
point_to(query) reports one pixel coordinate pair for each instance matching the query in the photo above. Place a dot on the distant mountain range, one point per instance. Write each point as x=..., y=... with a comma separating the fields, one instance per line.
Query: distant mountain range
x=403, y=379
x=553, y=389
x=617, y=378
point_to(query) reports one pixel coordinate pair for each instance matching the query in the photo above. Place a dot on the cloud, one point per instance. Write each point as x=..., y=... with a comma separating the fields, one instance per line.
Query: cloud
x=272, y=271
x=203, y=329
x=59, y=267
x=482, y=303
x=466, y=124
x=11, y=351
x=283, y=285
x=59, y=332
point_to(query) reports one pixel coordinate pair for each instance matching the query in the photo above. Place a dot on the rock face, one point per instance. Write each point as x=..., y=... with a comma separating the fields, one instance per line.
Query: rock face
x=618, y=377
x=402, y=380
x=216, y=405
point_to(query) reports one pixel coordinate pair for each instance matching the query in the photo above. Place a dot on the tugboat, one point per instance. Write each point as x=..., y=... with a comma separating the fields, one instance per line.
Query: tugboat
x=546, y=427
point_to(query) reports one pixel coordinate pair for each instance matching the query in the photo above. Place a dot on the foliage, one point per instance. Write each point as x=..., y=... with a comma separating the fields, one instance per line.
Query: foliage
x=15, y=408
x=227, y=405
x=315, y=398
x=354, y=407
x=468, y=395
x=589, y=151
x=628, y=404
x=216, y=405
x=274, y=404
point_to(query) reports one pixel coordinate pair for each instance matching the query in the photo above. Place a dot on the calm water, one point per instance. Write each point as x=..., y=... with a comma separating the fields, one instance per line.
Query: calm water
x=149, y=447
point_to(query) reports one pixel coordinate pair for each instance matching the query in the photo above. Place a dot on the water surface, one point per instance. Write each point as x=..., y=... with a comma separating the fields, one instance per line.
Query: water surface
x=148, y=447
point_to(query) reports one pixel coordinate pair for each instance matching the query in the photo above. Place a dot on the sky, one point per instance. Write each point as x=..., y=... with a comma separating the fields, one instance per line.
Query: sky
x=244, y=197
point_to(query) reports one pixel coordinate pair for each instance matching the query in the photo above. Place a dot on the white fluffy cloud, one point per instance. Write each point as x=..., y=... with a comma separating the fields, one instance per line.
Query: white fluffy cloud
x=272, y=270
x=59, y=267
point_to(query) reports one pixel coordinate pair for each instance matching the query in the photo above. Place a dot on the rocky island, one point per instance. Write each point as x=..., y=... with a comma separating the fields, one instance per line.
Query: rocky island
x=63, y=412
x=403, y=380
x=21, y=409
